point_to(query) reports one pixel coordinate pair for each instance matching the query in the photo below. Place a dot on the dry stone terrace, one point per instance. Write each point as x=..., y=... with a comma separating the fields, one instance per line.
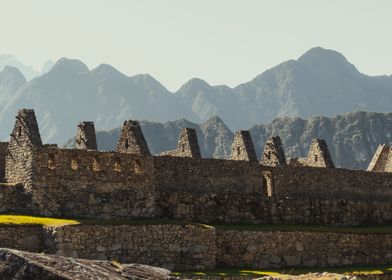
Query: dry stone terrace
x=41, y=179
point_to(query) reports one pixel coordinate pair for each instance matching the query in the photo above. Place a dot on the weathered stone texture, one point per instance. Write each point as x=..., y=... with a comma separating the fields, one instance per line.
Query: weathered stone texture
x=3, y=153
x=234, y=208
x=274, y=249
x=133, y=184
x=330, y=182
x=382, y=160
x=14, y=199
x=132, y=140
x=82, y=183
x=207, y=175
x=187, y=146
x=273, y=153
x=242, y=148
x=25, y=138
x=319, y=155
x=85, y=136
x=192, y=247
x=180, y=247
x=27, y=238
x=171, y=246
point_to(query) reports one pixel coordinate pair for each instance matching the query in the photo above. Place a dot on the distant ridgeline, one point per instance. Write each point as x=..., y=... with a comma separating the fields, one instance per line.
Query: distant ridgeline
x=181, y=184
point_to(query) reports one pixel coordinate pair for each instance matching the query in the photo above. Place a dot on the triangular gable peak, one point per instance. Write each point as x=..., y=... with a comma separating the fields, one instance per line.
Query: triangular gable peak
x=132, y=140
x=242, y=147
x=319, y=155
x=85, y=137
x=273, y=153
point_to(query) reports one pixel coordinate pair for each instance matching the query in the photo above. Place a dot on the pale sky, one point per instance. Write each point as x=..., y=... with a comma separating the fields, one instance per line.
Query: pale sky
x=221, y=41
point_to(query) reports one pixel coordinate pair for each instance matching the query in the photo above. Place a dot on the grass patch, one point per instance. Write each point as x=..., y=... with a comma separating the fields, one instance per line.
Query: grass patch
x=14, y=219
x=24, y=220
x=354, y=229
x=37, y=221
x=223, y=272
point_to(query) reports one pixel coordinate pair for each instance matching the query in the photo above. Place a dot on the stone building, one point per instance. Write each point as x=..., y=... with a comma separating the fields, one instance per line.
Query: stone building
x=43, y=179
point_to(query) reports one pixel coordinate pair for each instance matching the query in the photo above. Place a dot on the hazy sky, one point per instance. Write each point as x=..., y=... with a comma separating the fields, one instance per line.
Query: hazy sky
x=221, y=41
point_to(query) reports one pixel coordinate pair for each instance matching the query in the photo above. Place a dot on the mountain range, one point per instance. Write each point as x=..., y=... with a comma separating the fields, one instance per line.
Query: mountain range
x=320, y=82
x=352, y=138
x=27, y=70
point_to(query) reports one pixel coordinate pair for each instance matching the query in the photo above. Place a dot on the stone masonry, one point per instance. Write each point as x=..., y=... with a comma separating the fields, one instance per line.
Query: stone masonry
x=132, y=140
x=273, y=153
x=242, y=148
x=187, y=146
x=85, y=137
x=193, y=247
x=318, y=156
x=382, y=160
x=3, y=153
x=131, y=183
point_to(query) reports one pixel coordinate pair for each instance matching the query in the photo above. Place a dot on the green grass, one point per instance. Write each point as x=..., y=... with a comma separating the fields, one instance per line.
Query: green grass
x=11, y=219
x=222, y=272
x=22, y=220
x=354, y=229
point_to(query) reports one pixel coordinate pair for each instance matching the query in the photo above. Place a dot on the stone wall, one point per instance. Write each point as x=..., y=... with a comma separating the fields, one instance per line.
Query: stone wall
x=207, y=175
x=27, y=238
x=81, y=183
x=14, y=199
x=3, y=153
x=193, y=247
x=176, y=247
x=235, y=208
x=274, y=249
x=187, y=145
x=330, y=182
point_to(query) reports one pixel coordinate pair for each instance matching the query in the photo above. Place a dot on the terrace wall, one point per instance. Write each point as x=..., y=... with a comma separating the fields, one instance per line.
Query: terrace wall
x=80, y=183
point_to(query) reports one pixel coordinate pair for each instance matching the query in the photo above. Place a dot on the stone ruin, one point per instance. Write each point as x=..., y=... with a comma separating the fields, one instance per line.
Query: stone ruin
x=180, y=184
x=242, y=148
x=273, y=153
x=187, y=146
x=318, y=156
x=382, y=159
x=85, y=136
x=131, y=183
x=132, y=140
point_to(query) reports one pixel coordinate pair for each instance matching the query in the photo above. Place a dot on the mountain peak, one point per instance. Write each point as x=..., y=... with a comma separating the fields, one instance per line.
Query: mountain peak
x=66, y=65
x=195, y=84
x=106, y=70
x=11, y=72
x=11, y=79
x=319, y=56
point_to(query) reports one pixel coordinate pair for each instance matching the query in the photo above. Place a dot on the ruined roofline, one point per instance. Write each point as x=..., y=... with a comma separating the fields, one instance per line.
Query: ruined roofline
x=379, y=160
x=242, y=147
x=273, y=153
x=319, y=155
x=26, y=129
x=132, y=140
x=85, y=136
x=187, y=145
